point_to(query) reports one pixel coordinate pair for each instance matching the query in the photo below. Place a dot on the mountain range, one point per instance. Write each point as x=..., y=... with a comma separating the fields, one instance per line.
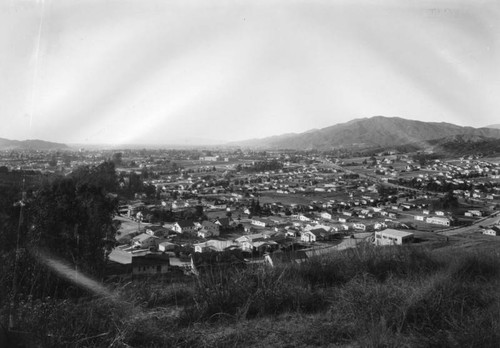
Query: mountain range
x=374, y=132
x=31, y=144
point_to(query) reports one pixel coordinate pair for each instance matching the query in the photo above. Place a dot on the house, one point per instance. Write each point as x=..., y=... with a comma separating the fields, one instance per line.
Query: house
x=246, y=243
x=359, y=226
x=322, y=233
x=390, y=236
x=303, y=218
x=150, y=264
x=209, y=228
x=184, y=226
x=437, y=220
x=308, y=237
x=476, y=213
x=260, y=222
x=223, y=222
x=493, y=231
x=326, y=216
x=203, y=233
x=158, y=231
x=166, y=246
x=213, y=244
x=145, y=241
x=135, y=208
x=201, y=262
x=265, y=245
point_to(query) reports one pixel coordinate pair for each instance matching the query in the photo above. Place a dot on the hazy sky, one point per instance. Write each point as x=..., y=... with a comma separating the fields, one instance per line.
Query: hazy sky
x=168, y=71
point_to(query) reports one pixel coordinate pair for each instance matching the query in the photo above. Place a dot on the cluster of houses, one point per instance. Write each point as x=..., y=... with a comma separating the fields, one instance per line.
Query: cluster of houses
x=460, y=177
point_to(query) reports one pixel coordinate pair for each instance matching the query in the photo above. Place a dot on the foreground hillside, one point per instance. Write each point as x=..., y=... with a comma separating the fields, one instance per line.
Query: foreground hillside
x=367, y=297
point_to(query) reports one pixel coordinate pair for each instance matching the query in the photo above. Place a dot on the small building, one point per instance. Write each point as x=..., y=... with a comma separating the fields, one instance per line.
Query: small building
x=492, y=231
x=207, y=262
x=213, y=245
x=437, y=220
x=167, y=246
x=150, y=264
x=475, y=213
x=184, y=226
x=209, y=228
x=260, y=222
x=321, y=233
x=145, y=241
x=390, y=236
x=359, y=226
x=326, y=216
x=308, y=237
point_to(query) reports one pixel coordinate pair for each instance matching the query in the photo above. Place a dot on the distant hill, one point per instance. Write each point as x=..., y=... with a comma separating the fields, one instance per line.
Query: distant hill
x=496, y=126
x=456, y=145
x=31, y=144
x=378, y=131
x=461, y=145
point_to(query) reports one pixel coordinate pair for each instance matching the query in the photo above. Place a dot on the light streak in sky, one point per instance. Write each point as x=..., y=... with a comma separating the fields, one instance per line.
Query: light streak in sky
x=36, y=58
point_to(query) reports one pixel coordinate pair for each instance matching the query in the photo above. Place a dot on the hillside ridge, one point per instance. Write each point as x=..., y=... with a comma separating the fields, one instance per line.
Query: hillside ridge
x=376, y=131
x=30, y=144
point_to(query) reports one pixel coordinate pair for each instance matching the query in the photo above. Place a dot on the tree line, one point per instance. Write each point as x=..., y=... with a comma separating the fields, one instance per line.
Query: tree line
x=68, y=218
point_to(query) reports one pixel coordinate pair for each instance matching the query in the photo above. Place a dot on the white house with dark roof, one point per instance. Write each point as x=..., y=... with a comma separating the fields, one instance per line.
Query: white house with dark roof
x=145, y=241
x=307, y=236
x=184, y=226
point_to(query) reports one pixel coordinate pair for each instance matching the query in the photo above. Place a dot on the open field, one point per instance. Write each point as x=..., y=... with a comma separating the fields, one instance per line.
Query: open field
x=128, y=226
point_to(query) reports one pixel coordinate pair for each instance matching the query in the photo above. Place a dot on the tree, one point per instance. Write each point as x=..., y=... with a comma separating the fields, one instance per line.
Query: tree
x=53, y=161
x=74, y=220
x=69, y=219
x=385, y=190
x=255, y=208
x=117, y=158
x=102, y=176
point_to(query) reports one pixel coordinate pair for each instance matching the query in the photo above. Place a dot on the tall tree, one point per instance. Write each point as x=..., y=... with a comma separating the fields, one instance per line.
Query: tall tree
x=70, y=218
x=74, y=220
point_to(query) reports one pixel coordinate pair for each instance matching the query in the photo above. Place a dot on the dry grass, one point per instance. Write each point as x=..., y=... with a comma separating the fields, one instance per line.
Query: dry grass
x=366, y=297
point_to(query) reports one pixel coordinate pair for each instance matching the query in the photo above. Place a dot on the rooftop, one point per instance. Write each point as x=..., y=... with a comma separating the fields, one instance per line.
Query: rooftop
x=396, y=233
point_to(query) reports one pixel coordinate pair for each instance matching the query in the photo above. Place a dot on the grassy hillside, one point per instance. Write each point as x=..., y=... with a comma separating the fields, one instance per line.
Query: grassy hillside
x=367, y=297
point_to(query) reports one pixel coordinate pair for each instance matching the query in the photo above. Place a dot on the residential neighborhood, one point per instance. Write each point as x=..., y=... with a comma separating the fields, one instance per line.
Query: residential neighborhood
x=261, y=203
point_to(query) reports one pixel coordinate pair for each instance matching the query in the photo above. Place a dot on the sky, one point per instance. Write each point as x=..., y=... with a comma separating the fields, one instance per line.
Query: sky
x=197, y=71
